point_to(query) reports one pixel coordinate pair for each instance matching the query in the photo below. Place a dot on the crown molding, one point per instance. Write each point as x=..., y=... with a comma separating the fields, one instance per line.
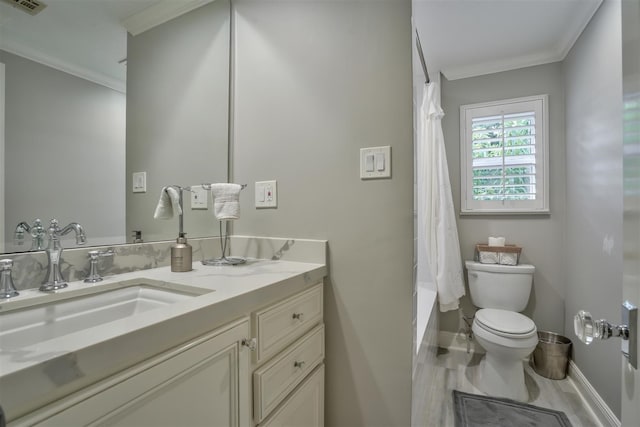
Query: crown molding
x=158, y=14
x=556, y=53
x=101, y=79
x=576, y=27
x=513, y=63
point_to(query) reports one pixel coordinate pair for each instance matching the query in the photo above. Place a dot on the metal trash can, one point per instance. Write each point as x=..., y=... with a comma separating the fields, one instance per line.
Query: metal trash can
x=551, y=356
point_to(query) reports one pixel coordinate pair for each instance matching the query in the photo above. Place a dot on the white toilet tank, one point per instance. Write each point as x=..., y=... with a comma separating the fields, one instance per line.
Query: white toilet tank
x=506, y=287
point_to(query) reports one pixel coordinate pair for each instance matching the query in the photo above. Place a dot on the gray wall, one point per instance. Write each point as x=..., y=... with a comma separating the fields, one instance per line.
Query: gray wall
x=64, y=151
x=315, y=82
x=593, y=85
x=177, y=115
x=540, y=236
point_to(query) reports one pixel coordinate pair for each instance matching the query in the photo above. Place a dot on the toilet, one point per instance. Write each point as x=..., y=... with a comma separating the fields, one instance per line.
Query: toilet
x=501, y=292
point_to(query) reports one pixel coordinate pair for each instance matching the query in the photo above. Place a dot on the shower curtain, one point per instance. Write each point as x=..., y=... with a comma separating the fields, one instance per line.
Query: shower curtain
x=438, y=244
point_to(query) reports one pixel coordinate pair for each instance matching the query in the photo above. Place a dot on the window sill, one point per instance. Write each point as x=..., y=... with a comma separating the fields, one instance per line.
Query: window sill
x=503, y=212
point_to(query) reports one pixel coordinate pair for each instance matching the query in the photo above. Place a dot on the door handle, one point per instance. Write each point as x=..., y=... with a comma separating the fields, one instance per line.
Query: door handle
x=587, y=329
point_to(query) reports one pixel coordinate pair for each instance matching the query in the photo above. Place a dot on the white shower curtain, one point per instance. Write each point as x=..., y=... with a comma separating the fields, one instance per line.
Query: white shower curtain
x=436, y=216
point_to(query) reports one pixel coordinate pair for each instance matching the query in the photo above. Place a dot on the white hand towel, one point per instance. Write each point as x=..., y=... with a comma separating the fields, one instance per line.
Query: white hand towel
x=168, y=204
x=226, y=200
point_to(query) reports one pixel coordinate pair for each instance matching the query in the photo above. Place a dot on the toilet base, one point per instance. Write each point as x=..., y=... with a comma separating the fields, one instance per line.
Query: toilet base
x=500, y=377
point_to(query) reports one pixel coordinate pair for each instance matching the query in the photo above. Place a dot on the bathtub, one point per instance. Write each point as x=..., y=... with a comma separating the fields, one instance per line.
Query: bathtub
x=426, y=350
x=426, y=324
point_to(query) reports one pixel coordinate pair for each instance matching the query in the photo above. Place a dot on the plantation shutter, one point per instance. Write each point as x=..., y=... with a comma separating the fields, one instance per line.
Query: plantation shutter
x=503, y=152
x=504, y=156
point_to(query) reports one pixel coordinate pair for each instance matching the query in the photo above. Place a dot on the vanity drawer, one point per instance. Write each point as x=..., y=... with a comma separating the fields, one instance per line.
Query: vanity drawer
x=279, y=325
x=304, y=407
x=275, y=380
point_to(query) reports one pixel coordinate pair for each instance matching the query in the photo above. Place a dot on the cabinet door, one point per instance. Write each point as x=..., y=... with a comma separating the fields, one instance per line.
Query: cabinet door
x=203, y=383
x=304, y=407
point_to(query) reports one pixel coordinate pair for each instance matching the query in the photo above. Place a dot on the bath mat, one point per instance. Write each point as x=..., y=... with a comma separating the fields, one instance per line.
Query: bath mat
x=472, y=410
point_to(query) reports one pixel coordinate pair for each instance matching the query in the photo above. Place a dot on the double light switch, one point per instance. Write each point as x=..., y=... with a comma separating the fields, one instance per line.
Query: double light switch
x=375, y=162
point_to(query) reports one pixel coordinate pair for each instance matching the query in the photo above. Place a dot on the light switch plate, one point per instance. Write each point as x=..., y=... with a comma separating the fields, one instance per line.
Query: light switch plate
x=198, y=197
x=266, y=194
x=139, y=182
x=375, y=162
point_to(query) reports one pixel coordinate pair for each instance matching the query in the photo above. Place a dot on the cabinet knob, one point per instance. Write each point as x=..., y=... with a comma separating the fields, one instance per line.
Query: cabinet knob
x=250, y=343
x=298, y=316
x=297, y=364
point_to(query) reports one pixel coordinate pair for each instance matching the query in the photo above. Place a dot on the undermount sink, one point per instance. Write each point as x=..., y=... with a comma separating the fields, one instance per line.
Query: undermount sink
x=71, y=312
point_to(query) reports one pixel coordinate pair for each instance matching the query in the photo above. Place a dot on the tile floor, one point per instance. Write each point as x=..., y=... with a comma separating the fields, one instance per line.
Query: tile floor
x=456, y=370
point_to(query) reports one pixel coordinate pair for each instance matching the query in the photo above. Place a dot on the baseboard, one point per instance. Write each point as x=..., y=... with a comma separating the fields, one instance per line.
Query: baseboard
x=600, y=409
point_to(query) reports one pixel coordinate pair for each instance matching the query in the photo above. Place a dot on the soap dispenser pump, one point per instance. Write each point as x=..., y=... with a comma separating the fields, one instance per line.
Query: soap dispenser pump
x=181, y=255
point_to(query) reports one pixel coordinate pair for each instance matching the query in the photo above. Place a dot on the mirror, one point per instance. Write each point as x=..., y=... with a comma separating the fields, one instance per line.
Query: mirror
x=75, y=132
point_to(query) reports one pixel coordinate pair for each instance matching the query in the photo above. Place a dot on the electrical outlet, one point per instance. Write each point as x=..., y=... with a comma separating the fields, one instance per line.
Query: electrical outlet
x=198, y=197
x=139, y=182
x=266, y=194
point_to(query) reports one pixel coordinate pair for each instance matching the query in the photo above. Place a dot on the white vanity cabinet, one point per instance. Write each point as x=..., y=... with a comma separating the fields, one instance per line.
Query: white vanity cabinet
x=204, y=382
x=288, y=376
x=222, y=378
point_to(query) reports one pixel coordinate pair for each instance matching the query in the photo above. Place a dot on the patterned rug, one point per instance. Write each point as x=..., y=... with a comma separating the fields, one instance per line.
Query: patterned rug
x=472, y=410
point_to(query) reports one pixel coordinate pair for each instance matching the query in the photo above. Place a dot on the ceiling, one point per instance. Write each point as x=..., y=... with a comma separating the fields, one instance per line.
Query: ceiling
x=465, y=38
x=460, y=38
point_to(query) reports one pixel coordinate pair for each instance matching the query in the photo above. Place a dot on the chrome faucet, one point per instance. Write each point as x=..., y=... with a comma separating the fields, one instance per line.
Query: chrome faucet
x=54, y=280
x=37, y=231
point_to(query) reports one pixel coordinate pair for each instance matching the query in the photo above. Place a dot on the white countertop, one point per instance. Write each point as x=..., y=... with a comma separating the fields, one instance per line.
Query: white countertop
x=33, y=375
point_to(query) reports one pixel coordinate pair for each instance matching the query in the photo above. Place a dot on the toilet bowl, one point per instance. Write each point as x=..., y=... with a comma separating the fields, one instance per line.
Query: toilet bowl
x=508, y=337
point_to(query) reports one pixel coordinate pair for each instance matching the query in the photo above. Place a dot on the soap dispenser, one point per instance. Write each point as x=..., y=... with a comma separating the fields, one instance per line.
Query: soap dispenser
x=181, y=254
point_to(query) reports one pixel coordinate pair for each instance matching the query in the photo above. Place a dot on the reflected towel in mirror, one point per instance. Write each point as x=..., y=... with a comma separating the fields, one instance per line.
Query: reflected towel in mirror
x=168, y=204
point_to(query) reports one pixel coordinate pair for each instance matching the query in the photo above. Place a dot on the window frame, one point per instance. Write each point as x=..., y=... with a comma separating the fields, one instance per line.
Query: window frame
x=540, y=105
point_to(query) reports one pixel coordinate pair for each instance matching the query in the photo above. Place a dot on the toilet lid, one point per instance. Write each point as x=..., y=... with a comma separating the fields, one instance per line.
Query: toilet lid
x=505, y=323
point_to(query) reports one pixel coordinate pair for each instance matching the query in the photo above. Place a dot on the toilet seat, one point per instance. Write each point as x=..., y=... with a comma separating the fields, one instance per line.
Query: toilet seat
x=505, y=323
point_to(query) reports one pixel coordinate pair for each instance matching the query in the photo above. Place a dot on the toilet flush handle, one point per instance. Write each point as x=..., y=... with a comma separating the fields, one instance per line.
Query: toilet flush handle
x=587, y=329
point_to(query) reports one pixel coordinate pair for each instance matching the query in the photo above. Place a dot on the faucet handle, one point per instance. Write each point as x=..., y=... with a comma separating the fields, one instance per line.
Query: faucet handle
x=6, y=264
x=94, y=276
x=18, y=235
x=95, y=254
x=7, y=289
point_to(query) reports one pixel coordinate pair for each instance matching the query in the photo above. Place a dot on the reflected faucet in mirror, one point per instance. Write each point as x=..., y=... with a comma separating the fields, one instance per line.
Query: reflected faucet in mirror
x=37, y=232
x=54, y=279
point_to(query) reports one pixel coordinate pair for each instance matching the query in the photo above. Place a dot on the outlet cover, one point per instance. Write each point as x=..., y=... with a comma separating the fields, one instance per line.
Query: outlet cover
x=198, y=197
x=266, y=194
x=139, y=182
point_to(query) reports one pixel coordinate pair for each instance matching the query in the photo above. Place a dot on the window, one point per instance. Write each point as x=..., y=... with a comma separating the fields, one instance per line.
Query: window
x=504, y=149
